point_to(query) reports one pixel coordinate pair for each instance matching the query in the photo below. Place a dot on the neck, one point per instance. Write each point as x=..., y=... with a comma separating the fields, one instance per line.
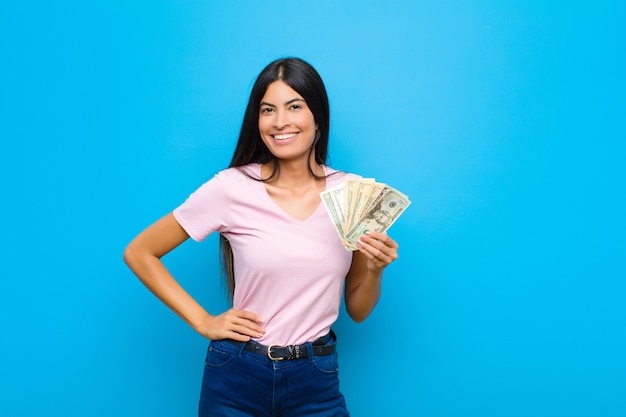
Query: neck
x=293, y=172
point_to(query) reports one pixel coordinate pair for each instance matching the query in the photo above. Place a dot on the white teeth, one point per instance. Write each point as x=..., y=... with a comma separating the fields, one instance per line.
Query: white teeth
x=286, y=136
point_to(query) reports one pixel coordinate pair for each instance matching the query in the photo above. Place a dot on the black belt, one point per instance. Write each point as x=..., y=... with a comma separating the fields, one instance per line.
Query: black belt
x=279, y=353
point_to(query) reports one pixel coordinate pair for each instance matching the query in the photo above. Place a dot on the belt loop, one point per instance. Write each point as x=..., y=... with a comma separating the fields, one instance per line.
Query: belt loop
x=242, y=346
x=309, y=348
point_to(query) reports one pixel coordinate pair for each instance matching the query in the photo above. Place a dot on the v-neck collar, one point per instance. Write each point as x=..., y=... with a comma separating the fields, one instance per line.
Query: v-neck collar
x=278, y=208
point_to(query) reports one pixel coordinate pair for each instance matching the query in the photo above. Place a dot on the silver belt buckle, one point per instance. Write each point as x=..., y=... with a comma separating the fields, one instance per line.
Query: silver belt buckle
x=269, y=353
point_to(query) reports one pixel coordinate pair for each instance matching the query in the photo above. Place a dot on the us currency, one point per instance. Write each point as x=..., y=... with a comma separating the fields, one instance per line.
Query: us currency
x=357, y=192
x=334, y=202
x=378, y=218
x=369, y=199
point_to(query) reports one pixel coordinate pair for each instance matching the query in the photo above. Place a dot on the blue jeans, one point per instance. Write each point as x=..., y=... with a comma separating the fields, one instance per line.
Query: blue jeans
x=238, y=383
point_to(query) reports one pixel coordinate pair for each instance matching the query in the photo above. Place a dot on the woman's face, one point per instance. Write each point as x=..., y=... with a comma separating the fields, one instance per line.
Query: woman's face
x=286, y=123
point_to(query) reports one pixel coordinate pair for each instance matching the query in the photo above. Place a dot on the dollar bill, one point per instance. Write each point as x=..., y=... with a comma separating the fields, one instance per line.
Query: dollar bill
x=379, y=217
x=368, y=199
x=359, y=205
x=357, y=192
x=334, y=202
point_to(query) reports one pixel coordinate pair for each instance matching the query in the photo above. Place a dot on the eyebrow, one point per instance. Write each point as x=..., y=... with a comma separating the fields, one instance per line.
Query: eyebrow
x=293, y=100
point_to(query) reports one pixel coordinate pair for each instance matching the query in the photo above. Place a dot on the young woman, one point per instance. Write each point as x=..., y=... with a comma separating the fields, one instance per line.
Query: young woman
x=273, y=353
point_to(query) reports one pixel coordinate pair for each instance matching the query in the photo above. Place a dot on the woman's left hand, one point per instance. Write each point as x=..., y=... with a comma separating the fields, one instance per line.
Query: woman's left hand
x=380, y=250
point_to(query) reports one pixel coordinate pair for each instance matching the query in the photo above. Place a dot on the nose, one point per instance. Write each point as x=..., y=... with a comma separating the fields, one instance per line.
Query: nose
x=281, y=120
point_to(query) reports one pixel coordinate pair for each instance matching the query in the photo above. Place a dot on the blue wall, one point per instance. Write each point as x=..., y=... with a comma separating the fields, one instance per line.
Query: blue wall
x=503, y=121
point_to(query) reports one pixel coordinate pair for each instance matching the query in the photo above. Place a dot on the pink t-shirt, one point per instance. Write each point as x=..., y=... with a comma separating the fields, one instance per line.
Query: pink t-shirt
x=290, y=272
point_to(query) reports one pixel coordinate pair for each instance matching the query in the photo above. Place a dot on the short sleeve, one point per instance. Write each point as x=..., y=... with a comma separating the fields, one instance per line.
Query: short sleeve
x=206, y=209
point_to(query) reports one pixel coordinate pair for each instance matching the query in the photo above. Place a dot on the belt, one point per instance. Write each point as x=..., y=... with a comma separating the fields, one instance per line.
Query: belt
x=280, y=353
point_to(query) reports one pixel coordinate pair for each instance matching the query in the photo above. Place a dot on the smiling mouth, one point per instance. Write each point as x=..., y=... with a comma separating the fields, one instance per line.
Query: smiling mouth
x=285, y=136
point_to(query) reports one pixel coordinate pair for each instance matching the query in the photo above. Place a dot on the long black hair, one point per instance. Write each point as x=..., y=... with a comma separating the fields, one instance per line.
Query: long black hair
x=306, y=81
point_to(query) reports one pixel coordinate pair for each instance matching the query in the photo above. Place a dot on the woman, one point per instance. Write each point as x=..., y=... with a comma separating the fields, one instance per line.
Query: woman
x=273, y=352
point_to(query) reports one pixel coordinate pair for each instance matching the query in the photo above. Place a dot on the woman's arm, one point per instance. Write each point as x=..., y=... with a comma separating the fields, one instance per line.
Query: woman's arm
x=363, y=282
x=143, y=256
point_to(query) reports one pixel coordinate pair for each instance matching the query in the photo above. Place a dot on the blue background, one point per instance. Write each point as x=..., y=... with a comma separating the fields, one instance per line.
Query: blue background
x=502, y=120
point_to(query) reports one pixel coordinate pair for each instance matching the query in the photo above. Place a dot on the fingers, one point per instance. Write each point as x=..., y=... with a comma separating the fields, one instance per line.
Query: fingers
x=244, y=324
x=235, y=324
x=379, y=248
x=383, y=238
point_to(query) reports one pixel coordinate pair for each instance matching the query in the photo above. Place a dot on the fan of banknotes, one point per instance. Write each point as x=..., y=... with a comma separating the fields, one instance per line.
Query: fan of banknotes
x=359, y=205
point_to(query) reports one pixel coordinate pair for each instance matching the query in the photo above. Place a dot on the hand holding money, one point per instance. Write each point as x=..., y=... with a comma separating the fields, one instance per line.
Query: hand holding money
x=359, y=205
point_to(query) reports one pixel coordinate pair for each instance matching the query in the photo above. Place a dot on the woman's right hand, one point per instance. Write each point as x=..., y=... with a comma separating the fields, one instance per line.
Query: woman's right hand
x=233, y=324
